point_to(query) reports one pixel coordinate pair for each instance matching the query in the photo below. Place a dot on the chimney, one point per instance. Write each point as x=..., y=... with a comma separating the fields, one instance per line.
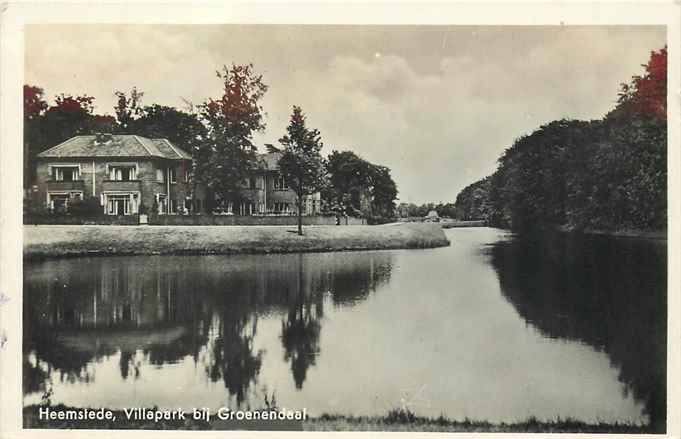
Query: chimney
x=103, y=137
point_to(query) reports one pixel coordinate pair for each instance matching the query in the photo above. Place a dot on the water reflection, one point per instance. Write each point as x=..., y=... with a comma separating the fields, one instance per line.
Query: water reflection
x=604, y=292
x=551, y=327
x=164, y=310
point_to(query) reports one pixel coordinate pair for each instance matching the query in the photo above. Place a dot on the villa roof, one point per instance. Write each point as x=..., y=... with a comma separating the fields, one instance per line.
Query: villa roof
x=118, y=145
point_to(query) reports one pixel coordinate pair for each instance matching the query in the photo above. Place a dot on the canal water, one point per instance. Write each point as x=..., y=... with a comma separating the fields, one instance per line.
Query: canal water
x=491, y=328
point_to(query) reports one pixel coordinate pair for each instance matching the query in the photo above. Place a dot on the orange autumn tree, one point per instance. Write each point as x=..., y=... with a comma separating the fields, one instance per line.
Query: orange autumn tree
x=646, y=95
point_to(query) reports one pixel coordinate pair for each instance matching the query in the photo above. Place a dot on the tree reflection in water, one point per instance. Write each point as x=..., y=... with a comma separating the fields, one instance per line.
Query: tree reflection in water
x=300, y=331
x=609, y=293
x=162, y=310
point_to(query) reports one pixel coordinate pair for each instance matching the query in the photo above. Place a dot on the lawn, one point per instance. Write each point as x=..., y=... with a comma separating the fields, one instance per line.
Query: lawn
x=62, y=241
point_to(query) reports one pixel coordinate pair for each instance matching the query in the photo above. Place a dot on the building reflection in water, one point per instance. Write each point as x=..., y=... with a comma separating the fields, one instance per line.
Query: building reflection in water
x=162, y=310
x=604, y=292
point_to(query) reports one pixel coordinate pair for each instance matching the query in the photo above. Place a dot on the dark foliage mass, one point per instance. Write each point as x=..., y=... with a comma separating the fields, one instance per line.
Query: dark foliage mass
x=357, y=187
x=607, y=174
x=472, y=203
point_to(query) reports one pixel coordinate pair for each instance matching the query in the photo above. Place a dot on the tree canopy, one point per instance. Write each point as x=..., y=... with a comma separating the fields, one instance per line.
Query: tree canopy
x=358, y=187
x=228, y=156
x=301, y=163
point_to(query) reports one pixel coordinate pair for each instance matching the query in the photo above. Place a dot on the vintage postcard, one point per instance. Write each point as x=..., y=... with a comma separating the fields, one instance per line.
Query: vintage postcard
x=347, y=217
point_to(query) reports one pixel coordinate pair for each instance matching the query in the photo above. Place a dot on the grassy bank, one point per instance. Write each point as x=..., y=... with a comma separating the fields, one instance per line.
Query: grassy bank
x=400, y=421
x=457, y=224
x=395, y=420
x=64, y=241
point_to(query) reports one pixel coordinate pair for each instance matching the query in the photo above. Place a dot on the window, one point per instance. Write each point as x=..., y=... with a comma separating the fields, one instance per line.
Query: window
x=119, y=204
x=252, y=183
x=247, y=208
x=123, y=173
x=173, y=175
x=65, y=173
x=280, y=183
x=161, y=202
x=59, y=202
x=187, y=176
x=173, y=206
x=160, y=176
x=281, y=207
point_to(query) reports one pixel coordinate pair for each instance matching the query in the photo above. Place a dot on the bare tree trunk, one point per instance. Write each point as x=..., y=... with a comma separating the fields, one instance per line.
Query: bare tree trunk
x=300, y=215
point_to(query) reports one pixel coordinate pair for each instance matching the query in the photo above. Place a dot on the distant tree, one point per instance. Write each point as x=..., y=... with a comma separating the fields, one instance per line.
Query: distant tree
x=68, y=117
x=34, y=102
x=34, y=141
x=227, y=156
x=473, y=202
x=128, y=108
x=48, y=125
x=102, y=124
x=446, y=210
x=383, y=192
x=359, y=187
x=406, y=210
x=301, y=163
x=348, y=179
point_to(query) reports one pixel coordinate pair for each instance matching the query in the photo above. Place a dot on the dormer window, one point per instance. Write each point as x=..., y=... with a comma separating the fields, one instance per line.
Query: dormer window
x=122, y=172
x=66, y=173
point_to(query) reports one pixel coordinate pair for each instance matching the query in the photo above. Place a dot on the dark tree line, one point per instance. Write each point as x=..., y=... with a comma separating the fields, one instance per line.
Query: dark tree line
x=606, y=174
x=411, y=210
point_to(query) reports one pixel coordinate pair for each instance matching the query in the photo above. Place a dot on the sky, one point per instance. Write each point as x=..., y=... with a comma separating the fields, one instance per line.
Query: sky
x=436, y=104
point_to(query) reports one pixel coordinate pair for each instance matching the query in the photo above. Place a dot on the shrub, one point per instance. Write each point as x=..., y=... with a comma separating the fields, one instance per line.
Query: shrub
x=88, y=207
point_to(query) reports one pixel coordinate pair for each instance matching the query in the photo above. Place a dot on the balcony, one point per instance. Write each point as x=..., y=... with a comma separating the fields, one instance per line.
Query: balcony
x=121, y=185
x=61, y=185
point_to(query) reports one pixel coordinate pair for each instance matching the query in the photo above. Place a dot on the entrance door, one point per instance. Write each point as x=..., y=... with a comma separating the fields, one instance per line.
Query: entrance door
x=60, y=203
x=120, y=207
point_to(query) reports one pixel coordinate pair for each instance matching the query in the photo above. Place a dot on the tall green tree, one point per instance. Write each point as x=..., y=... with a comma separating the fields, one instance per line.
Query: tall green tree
x=383, y=192
x=128, y=108
x=301, y=163
x=348, y=181
x=227, y=156
x=34, y=111
x=357, y=186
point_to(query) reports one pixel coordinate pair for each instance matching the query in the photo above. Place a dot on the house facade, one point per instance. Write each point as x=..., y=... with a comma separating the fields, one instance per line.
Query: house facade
x=266, y=192
x=126, y=172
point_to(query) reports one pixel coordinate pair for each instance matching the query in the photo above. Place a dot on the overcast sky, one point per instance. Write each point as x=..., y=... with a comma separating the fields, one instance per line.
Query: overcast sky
x=436, y=104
